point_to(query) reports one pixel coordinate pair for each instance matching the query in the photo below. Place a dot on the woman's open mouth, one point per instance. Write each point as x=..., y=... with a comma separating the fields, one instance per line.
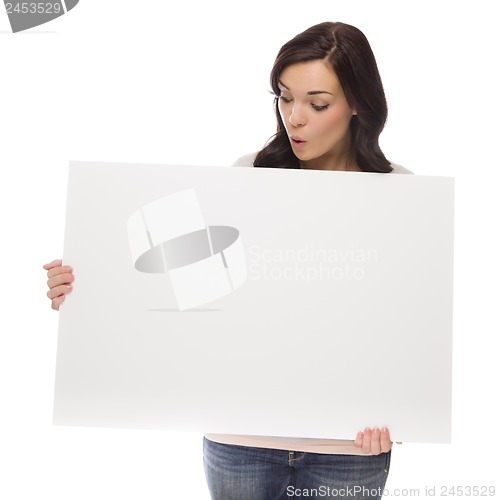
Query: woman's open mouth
x=297, y=141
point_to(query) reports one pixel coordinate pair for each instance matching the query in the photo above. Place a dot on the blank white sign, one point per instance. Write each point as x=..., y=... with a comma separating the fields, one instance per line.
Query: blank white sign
x=257, y=301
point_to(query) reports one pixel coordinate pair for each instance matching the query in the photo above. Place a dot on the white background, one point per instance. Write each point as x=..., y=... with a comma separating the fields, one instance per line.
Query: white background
x=153, y=81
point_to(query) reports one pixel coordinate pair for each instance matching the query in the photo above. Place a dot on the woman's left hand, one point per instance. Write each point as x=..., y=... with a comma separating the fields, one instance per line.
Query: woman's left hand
x=374, y=441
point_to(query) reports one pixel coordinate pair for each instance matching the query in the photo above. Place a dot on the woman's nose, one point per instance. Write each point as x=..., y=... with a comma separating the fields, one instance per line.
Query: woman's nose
x=297, y=118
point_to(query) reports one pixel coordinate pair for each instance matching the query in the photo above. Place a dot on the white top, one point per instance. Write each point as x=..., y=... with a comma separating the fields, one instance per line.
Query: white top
x=311, y=445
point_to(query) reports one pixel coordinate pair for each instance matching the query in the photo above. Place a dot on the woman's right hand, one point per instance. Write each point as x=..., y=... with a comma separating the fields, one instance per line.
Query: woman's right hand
x=60, y=280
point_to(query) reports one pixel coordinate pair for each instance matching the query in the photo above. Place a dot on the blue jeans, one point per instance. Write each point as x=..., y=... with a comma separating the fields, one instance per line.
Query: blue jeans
x=246, y=473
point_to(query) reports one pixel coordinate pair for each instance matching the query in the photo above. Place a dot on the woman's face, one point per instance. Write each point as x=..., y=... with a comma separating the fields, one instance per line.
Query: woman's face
x=316, y=116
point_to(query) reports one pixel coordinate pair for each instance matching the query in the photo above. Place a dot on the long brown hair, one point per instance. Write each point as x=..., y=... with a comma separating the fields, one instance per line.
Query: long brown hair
x=347, y=51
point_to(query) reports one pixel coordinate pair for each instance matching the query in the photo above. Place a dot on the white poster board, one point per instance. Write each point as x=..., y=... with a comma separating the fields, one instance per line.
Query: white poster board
x=257, y=301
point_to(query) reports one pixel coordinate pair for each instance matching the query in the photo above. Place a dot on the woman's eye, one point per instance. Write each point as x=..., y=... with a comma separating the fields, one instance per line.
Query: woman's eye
x=320, y=108
x=285, y=99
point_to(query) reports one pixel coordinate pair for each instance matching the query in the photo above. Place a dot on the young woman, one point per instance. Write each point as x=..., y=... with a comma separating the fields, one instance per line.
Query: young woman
x=330, y=109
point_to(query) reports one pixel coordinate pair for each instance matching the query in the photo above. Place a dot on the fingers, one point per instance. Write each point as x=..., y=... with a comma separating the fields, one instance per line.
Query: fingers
x=359, y=440
x=366, y=441
x=58, y=294
x=57, y=301
x=374, y=441
x=54, y=271
x=385, y=442
x=58, y=291
x=59, y=282
x=59, y=276
x=54, y=263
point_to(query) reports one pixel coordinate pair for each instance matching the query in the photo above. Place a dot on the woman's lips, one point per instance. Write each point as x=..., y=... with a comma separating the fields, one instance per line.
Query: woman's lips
x=297, y=141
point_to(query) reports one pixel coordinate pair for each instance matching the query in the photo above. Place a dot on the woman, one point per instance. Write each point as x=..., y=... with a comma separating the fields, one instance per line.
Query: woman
x=330, y=108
